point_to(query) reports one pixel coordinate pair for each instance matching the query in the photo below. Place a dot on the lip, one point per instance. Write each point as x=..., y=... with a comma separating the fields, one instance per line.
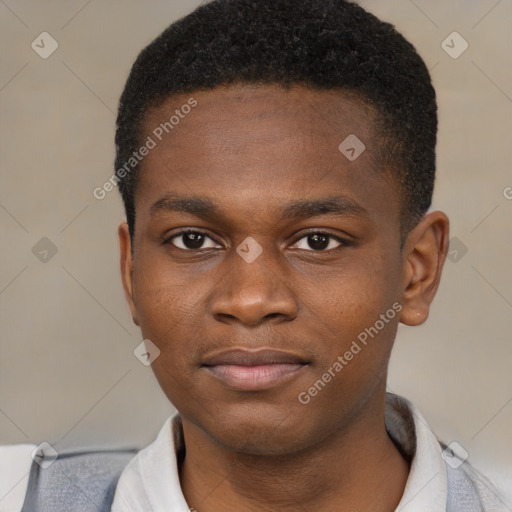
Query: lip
x=252, y=370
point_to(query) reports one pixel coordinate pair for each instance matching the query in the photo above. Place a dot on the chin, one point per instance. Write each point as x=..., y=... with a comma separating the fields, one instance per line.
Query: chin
x=255, y=431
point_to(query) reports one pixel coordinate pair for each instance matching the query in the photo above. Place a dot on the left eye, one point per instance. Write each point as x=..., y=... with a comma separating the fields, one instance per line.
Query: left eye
x=321, y=242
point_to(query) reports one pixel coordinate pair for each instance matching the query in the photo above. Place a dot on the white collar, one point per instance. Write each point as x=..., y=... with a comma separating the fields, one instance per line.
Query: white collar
x=426, y=488
x=151, y=480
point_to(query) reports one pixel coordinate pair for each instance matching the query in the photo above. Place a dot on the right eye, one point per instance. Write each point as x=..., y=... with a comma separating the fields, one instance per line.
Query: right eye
x=191, y=240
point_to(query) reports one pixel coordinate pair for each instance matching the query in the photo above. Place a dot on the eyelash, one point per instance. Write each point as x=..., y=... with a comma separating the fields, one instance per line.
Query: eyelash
x=342, y=241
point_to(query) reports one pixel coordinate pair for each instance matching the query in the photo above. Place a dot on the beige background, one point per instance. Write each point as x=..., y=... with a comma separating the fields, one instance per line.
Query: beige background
x=67, y=372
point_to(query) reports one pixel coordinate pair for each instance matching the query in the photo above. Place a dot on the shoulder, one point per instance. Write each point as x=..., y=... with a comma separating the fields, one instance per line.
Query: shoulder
x=469, y=490
x=459, y=487
x=82, y=481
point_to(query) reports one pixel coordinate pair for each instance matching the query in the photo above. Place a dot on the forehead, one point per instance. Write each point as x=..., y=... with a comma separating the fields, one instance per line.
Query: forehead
x=264, y=143
x=226, y=115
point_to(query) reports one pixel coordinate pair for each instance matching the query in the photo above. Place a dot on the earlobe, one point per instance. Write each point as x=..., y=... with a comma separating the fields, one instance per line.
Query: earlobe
x=424, y=254
x=126, y=262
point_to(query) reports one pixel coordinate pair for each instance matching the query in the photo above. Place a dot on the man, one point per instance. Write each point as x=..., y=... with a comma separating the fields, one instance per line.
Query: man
x=276, y=159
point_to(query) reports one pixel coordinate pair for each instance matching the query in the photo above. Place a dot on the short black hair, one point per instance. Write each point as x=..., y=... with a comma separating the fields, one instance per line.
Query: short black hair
x=321, y=44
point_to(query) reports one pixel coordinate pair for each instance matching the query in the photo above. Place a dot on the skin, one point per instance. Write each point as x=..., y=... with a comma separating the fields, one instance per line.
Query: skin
x=251, y=150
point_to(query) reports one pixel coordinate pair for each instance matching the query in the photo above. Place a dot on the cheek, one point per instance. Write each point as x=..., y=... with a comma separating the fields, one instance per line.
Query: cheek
x=165, y=305
x=355, y=295
x=172, y=309
x=168, y=317
x=357, y=329
x=357, y=311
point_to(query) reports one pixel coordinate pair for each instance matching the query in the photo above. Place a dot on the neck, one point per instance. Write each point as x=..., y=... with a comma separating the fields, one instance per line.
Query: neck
x=355, y=468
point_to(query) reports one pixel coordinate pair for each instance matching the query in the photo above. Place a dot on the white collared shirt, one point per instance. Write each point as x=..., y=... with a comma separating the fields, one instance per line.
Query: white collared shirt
x=151, y=482
x=438, y=481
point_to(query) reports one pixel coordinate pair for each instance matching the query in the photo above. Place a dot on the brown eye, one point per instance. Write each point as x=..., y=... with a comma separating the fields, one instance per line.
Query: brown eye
x=192, y=241
x=320, y=242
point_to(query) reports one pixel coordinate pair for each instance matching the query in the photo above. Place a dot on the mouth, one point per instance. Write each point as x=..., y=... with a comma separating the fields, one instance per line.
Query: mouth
x=262, y=369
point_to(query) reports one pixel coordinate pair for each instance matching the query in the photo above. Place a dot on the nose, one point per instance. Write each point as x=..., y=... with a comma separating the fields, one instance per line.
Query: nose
x=254, y=293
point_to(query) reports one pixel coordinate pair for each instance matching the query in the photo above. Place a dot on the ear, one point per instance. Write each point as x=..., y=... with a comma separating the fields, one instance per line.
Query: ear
x=424, y=254
x=125, y=248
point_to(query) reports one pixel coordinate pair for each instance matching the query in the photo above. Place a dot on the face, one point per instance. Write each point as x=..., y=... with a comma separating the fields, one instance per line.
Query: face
x=291, y=252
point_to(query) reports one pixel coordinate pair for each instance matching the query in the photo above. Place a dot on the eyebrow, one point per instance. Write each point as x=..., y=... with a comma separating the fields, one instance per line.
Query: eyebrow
x=205, y=209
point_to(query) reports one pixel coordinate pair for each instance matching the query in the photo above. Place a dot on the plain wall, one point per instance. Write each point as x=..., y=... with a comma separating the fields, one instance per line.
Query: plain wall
x=67, y=371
